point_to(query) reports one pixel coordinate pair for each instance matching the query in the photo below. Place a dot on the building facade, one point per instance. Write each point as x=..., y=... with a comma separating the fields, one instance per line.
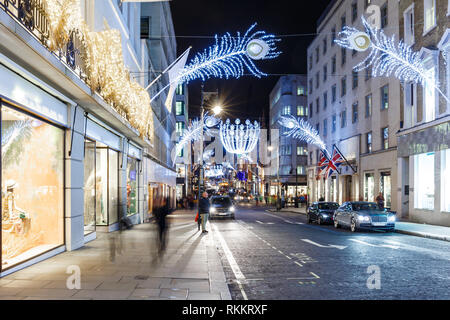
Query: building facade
x=288, y=97
x=357, y=113
x=79, y=140
x=183, y=159
x=424, y=136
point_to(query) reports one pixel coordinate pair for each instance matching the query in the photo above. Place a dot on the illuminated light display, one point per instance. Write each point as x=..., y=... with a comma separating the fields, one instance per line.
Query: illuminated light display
x=214, y=171
x=302, y=130
x=239, y=138
x=194, y=133
x=229, y=57
x=387, y=56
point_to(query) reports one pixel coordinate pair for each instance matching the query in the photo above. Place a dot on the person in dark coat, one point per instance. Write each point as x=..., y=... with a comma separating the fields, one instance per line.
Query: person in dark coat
x=204, y=210
x=160, y=215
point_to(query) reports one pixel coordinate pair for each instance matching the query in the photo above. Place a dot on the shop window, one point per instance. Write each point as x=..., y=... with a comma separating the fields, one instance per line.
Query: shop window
x=89, y=187
x=32, y=187
x=424, y=181
x=445, y=180
x=132, y=186
x=107, y=182
x=369, y=187
x=385, y=188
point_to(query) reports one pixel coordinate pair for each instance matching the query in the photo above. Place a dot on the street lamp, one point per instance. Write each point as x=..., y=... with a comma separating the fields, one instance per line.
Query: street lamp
x=217, y=110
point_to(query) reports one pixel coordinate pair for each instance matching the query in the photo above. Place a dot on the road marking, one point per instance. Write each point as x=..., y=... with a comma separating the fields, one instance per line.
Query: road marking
x=285, y=220
x=264, y=222
x=315, y=275
x=298, y=263
x=322, y=246
x=374, y=245
x=281, y=252
x=234, y=266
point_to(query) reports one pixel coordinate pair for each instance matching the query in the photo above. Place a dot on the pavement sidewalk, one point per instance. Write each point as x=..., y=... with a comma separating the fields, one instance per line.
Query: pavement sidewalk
x=410, y=228
x=125, y=265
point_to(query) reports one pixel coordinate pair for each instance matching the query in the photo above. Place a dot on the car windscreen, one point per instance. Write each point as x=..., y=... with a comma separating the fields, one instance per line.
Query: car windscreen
x=222, y=201
x=328, y=206
x=365, y=206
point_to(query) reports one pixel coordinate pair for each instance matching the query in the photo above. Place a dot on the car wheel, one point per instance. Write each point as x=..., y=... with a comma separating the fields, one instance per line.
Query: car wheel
x=353, y=225
x=336, y=223
x=319, y=220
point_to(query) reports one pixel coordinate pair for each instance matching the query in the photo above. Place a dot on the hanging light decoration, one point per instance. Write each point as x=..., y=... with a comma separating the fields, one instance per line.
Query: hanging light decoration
x=214, y=171
x=387, y=57
x=239, y=138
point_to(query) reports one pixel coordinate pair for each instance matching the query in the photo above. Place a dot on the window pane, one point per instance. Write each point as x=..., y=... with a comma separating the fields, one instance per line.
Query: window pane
x=89, y=187
x=424, y=181
x=132, y=184
x=113, y=184
x=32, y=187
x=445, y=180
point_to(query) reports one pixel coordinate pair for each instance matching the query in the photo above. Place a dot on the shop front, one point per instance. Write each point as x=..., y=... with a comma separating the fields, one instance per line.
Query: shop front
x=134, y=181
x=32, y=172
x=101, y=179
x=161, y=185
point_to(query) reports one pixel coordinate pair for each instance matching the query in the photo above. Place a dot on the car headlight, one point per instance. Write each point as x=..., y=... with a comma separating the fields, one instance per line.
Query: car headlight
x=232, y=209
x=391, y=218
x=324, y=215
x=212, y=210
x=364, y=218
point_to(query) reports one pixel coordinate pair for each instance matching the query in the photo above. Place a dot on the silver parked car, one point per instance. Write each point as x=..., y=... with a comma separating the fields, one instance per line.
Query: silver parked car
x=221, y=207
x=364, y=215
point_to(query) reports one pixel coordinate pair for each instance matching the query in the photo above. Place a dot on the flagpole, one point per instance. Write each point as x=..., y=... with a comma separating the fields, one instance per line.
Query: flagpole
x=335, y=146
x=167, y=69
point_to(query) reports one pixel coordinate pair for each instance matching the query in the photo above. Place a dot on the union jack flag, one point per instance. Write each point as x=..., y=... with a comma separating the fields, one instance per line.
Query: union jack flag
x=323, y=163
x=335, y=162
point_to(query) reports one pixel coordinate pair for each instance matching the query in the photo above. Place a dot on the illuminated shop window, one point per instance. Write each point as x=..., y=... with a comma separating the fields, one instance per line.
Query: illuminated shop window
x=445, y=180
x=424, y=181
x=132, y=186
x=89, y=186
x=369, y=187
x=32, y=187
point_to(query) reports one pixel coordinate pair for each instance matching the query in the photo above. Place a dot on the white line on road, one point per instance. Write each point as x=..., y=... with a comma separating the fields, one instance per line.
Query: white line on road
x=234, y=266
x=298, y=263
x=285, y=220
x=374, y=245
x=322, y=246
x=315, y=275
x=264, y=222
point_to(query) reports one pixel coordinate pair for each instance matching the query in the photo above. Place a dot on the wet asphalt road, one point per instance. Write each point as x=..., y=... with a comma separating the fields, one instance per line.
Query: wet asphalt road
x=271, y=256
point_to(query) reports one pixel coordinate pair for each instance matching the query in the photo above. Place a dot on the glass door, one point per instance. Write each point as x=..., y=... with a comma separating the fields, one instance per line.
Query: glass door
x=90, y=178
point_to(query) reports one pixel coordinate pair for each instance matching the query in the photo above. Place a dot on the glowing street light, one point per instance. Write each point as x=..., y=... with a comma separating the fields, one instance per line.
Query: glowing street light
x=217, y=110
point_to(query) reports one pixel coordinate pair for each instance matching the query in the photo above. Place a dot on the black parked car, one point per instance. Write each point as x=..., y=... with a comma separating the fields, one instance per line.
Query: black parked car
x=322, y=212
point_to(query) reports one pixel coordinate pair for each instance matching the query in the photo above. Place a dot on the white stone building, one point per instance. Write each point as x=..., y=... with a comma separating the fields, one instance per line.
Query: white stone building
x=357, y=113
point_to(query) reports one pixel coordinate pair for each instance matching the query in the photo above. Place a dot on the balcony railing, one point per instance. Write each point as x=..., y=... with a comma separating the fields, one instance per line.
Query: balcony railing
x=33, y=17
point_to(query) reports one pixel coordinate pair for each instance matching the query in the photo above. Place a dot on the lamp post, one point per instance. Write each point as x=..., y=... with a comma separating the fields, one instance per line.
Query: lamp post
x=278, y=205
x=217, y=109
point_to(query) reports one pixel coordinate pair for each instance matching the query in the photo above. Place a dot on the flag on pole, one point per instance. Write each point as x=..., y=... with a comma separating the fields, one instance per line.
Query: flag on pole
x=335, y=162
x=323, y=163
x=174, y=72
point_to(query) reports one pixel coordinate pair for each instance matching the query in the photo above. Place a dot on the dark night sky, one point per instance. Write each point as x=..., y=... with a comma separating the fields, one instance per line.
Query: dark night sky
x=248, y=96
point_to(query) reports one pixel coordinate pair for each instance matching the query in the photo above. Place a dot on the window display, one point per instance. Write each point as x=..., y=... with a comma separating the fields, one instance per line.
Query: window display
x=132, y=183
x=106, y=185
x=424, y=181
x=445, y=180
x=369, y=187
x=32, y=187
x=89, y=187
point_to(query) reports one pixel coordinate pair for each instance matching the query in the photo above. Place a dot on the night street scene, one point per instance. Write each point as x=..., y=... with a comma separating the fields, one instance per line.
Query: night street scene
x=229, y=155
